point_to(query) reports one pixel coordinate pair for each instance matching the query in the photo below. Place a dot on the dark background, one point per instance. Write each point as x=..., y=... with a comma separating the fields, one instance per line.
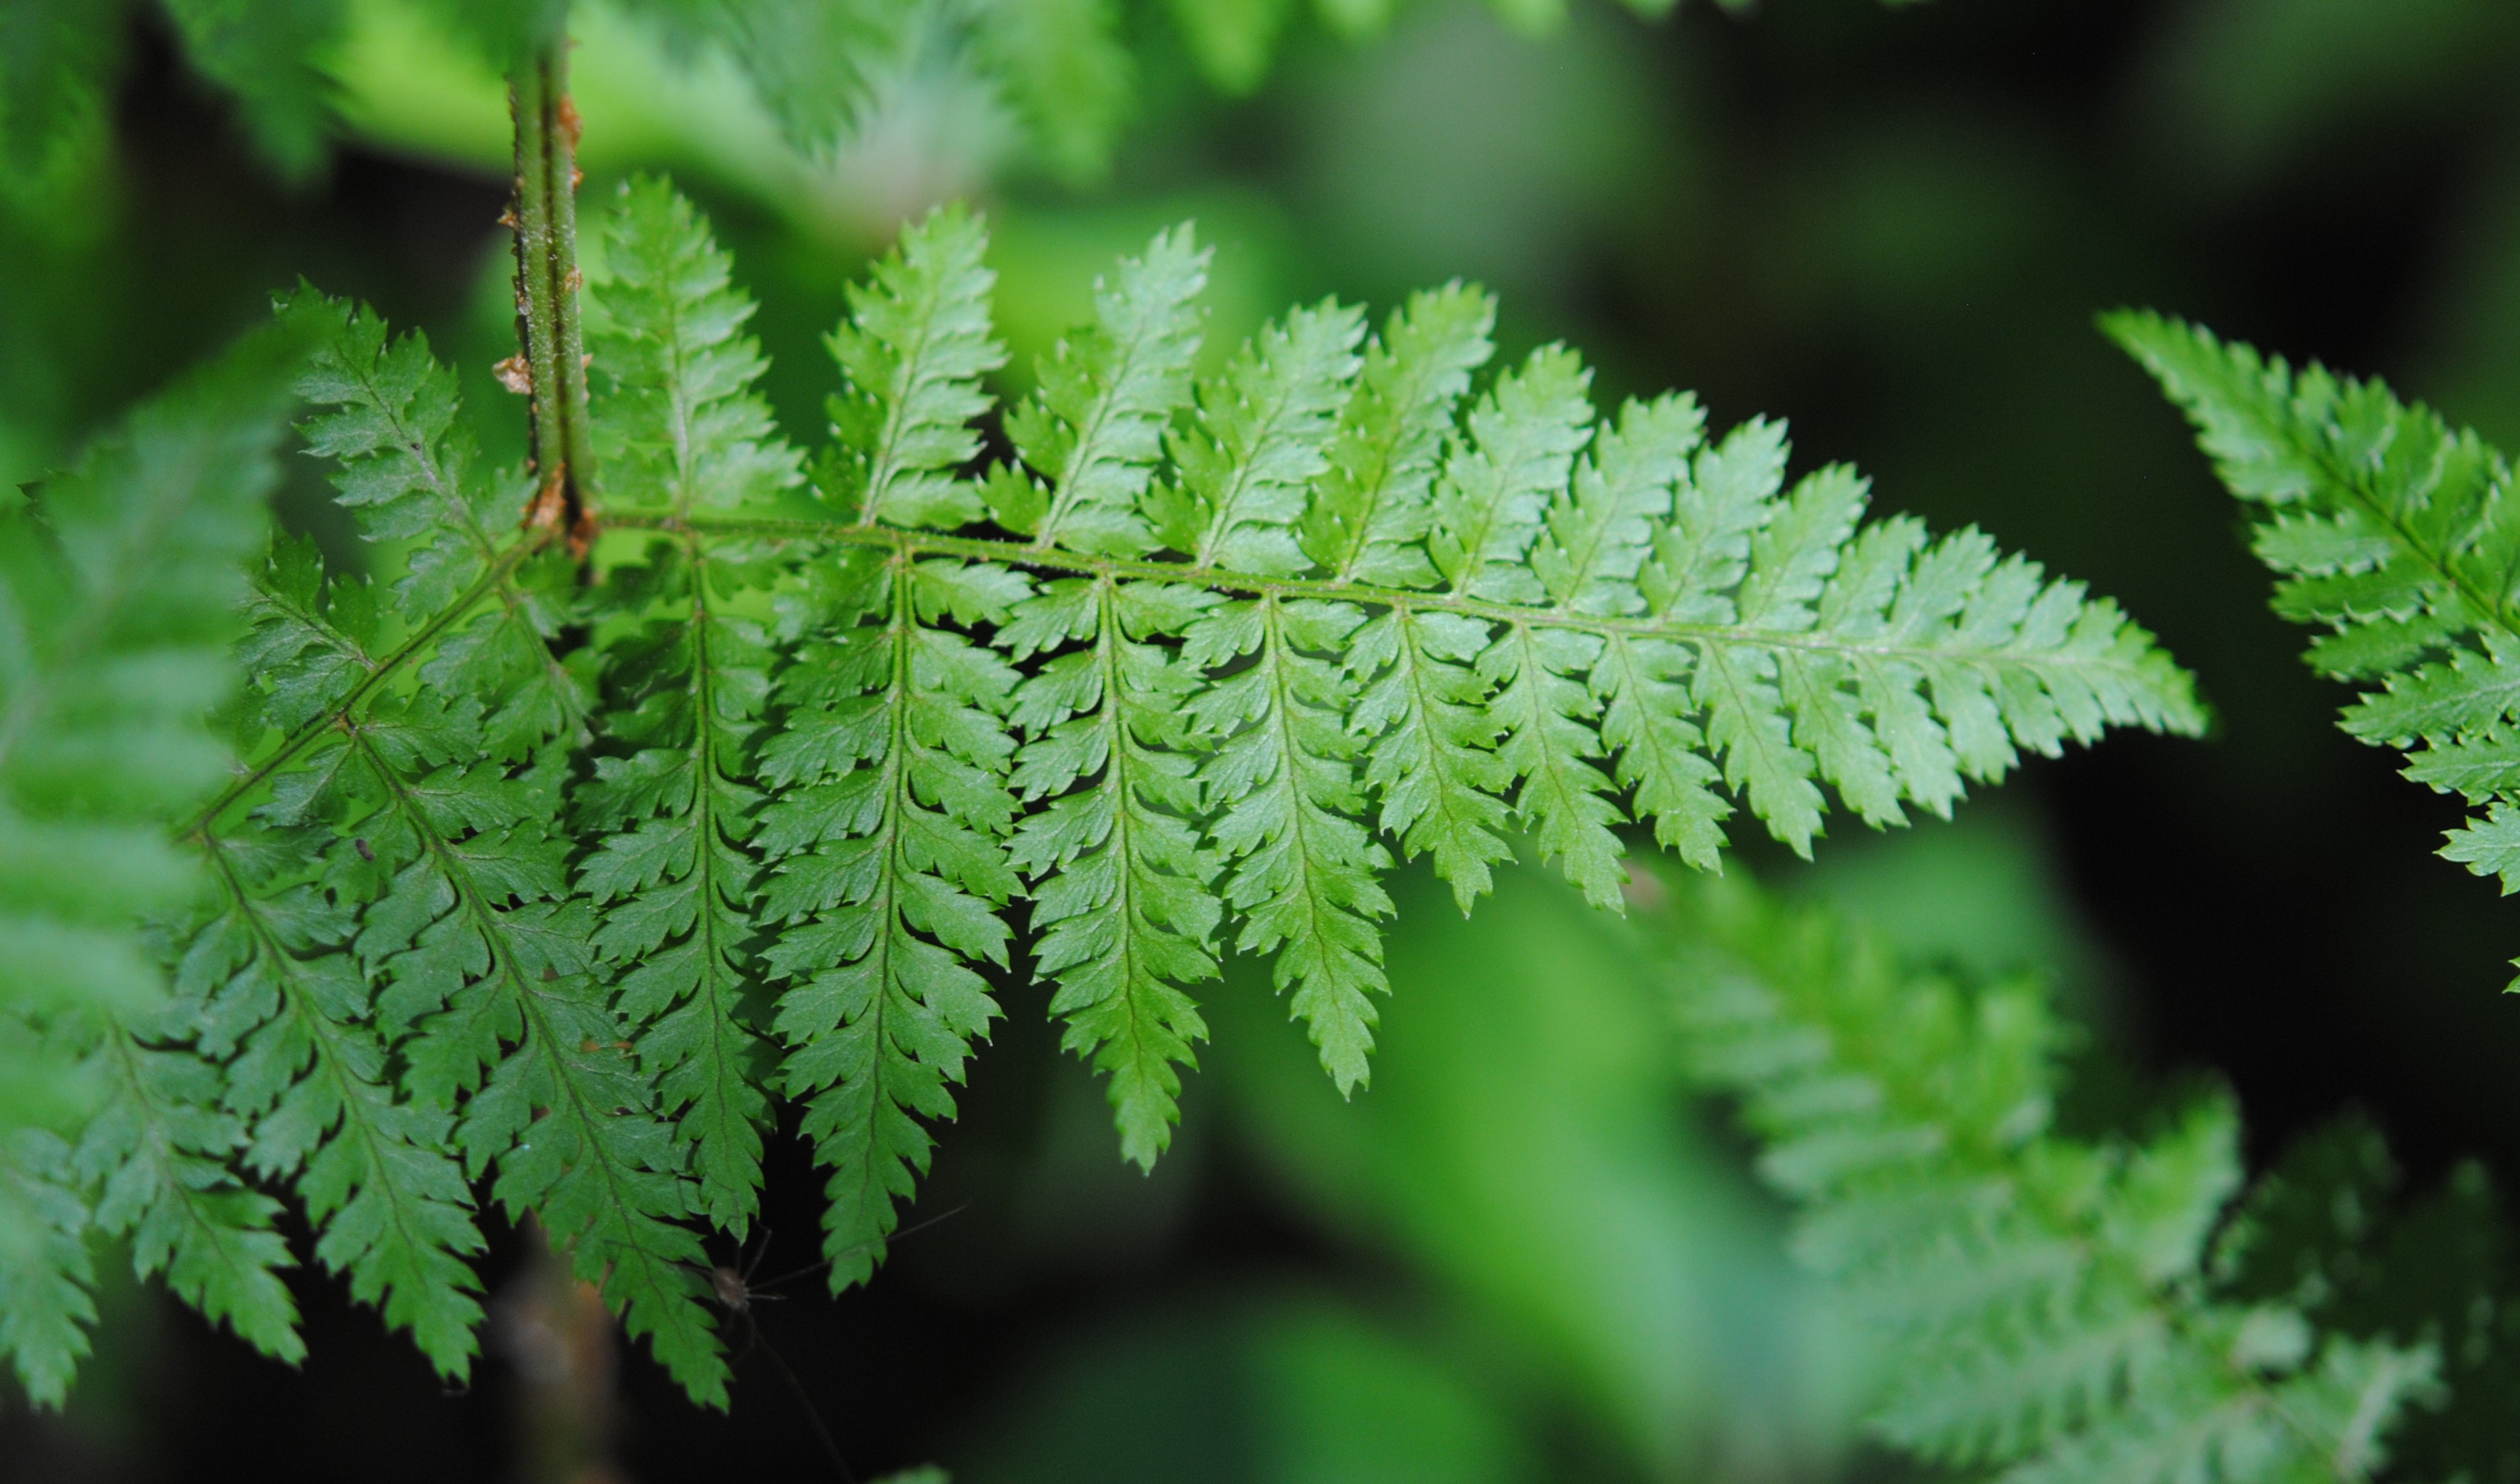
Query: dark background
x=1893, y=228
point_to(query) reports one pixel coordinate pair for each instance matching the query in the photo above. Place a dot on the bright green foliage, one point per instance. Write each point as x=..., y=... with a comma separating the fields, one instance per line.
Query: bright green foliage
x=2397, y=534
x=1213, y=711
x=119, y=587
x=911, y=357
x=891, y=824
x=682, y=428
x=426, y=752
x=1096, y=426
x=2046, y=1308
x=558, y=873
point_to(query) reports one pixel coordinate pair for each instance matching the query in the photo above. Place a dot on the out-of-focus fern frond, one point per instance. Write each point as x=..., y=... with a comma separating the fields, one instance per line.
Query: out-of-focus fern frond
x=2046, y=1308
x=119, y=588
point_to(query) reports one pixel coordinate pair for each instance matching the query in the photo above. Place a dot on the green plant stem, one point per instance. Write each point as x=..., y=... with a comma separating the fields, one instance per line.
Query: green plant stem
x=547, y=281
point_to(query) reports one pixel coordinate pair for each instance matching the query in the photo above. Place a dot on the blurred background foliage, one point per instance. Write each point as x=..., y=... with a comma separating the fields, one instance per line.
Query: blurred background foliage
x=1524, y=1253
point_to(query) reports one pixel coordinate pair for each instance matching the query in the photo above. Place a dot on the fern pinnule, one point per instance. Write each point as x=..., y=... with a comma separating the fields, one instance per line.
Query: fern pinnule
x=1282, y=786
x=892, y=873
x=1123, y=884
x=374, y=1169
x=1256, y=444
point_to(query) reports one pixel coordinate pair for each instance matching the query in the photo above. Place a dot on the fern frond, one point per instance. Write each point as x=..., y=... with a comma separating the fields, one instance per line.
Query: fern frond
x=1283, y=790
x=271, y=974
x=529, y=859
x=1520, y=441
x=685, y=426
x=1369, y=513
x=1309, y=595
x=889, y=768
x=1257, y=443
x=157, y=1151
x=44, y=1264
x=2397, y=534
x=2328, y=1230
x=118, y=589
x=2047, y=1304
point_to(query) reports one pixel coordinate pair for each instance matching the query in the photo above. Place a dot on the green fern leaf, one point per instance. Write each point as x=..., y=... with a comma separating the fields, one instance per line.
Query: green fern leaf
x=890, y=765
x=44, y=1263
x=683, y=426
x=912, y=355
x=119, y=584
x=402, y=461
x=1522, y=439
x=1258, y=444
x=2046, y=1305
x=443, y=770
x=1283, y=790
x=270, y=973
x=520, y=844
x=893, y=805
x=158, y=1151
x=1096, y=426
x=1370, y=512
x=1433, y=764
x=2394, y=533
x=1121, y=883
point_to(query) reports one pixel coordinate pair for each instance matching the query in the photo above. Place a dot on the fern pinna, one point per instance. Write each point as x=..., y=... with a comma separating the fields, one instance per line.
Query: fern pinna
x=2397, y=534
x=2053, y=1310
x=559, y=874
